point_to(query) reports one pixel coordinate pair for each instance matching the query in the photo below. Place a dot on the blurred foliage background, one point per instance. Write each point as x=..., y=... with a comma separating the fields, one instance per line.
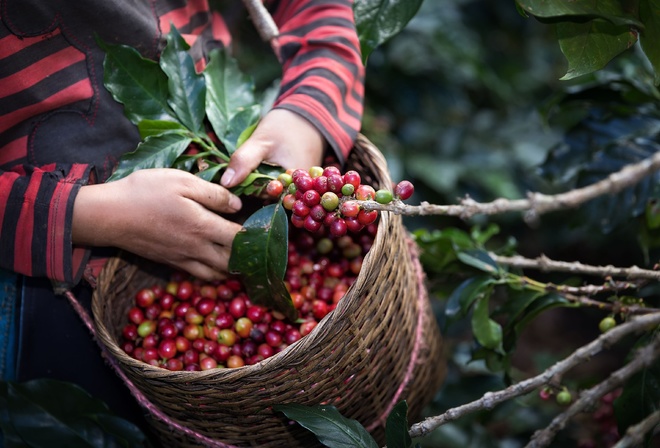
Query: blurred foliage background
x=467, y=100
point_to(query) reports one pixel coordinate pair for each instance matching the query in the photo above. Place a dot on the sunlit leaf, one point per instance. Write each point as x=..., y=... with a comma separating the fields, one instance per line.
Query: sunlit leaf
x=240, y=127
x=330, y=427
x=148, y=128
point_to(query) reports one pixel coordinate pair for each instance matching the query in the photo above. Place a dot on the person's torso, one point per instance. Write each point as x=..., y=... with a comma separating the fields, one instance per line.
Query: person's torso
x=53, y=104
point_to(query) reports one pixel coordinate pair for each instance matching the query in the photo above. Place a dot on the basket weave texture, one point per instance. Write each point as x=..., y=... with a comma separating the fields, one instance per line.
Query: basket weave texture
x=379, y=346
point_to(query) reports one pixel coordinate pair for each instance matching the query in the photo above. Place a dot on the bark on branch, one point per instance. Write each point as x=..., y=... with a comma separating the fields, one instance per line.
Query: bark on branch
x=536, y=204
x=581, y=355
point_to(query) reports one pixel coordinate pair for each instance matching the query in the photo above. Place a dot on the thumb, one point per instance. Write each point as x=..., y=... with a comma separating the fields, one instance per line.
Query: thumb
x=244, y=160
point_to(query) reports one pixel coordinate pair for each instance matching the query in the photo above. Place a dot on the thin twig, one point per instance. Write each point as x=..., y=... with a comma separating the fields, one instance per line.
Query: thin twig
x=545, y=264
x=635, y=434
x=536, y=204
x=644, y=357
x=582, y=354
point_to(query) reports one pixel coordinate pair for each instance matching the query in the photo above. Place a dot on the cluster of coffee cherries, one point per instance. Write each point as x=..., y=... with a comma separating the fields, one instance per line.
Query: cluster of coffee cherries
x=189, y=324
x=324, y=198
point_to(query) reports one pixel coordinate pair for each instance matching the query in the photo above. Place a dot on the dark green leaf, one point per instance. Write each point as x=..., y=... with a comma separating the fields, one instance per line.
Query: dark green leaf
x=159, y=151
x=396, y=430
x=649, y=13
x=187, y=87
x=486, y=331
x=330, y=427
x=228, y=91
x=462, y=298
x=259, y=256
x=439, y=247
x=138, y=83
x=49, y=413
x=611, y=10
x=148, y=128
x=478, y=259
x=540, y=305
x=379, y=20
x=590, y=46
x=185, y=162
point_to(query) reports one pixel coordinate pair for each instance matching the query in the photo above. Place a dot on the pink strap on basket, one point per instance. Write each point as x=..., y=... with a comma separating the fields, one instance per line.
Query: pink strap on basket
x=139, y=396
x=419, y=340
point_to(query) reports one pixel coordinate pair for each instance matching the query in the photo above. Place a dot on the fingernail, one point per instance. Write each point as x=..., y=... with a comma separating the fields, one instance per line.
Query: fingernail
x=227, y=177
x=234, y=203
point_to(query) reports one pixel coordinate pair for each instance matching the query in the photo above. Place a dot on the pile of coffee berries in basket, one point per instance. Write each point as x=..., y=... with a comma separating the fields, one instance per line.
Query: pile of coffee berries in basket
x=189, y=324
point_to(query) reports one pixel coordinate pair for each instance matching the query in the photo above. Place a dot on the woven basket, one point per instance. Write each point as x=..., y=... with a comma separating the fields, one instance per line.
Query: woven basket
x=379, y=346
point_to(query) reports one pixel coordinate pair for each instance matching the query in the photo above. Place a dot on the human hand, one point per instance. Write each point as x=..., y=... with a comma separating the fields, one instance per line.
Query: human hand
x=283, y=138
x=166, y=215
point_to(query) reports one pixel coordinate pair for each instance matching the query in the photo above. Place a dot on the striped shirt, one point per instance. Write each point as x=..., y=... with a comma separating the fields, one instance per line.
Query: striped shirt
x=60, y=128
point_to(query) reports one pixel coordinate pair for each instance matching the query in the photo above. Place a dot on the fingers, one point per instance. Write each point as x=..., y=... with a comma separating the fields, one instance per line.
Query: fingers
x=213, y=196
x=245, y=159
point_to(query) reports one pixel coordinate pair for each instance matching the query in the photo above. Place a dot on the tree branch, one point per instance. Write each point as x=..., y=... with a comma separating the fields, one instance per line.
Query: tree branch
x=536, y=204
x=644, y=357
x=582, y=354
x=635, y=434
x=545, y=264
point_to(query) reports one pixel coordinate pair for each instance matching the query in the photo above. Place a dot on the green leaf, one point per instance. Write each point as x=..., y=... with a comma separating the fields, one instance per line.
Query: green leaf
x=240, y=125
x=187, y=88
x=138, y=83
x=50, y=413
x=588, y=47
x=462, y=298
x=611, y=10
x=396, y=429
x=259, y=256
x=159, y=151
x=228, y=91
x=212, y=171
x=148, y=128
x=487, y=332
x=253, y=184
x=649, y=13
x=540, y=305
x=247, y=133
x=478, y=259
x=379, y=20
x=330, y=427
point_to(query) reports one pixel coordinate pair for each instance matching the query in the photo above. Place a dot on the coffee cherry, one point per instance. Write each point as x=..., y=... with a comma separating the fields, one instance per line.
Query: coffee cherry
x=145, y=297
x=274, y=188
x=384, y=196
x=606, y=324
x=330, y=201
x=404, y=190
x=315, y=171
x=353, y=178
x=349, y=209
x=146, y=328
x=564, y=397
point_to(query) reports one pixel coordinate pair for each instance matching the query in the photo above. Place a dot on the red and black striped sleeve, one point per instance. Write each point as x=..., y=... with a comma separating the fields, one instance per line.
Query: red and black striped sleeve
x=35, y=236
x=323, y=74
